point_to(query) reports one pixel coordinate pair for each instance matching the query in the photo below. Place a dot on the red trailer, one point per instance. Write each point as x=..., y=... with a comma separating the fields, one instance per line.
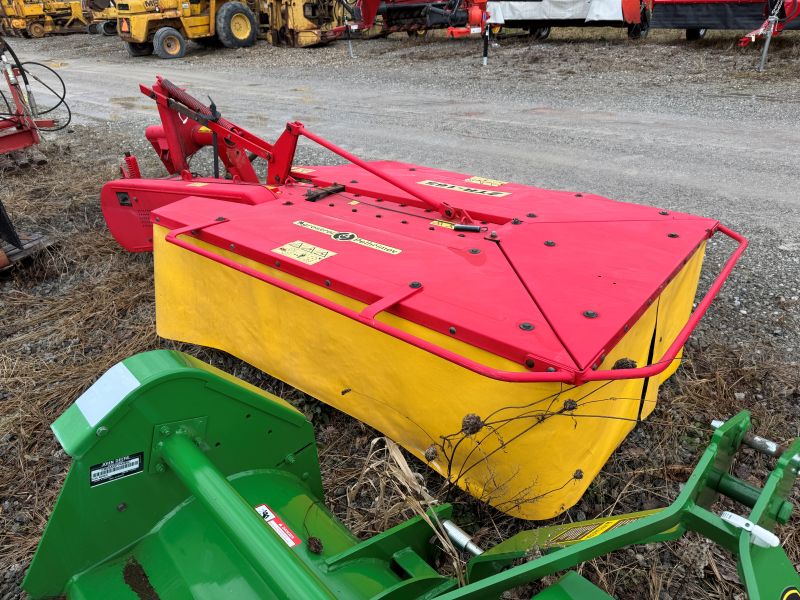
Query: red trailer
x=698, y=16
x=537, y=16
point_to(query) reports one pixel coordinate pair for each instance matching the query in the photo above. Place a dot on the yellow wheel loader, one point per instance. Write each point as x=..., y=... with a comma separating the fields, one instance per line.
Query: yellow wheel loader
x=162, y=27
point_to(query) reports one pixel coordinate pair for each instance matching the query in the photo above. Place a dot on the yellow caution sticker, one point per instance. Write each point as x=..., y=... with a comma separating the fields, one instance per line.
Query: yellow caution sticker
x=354, y=202
x=302, y=170
x=461, y=188
x=197, y=184
x=446, y=224
x=485, y=181
x=347, y=236
x=579, y=532
x=303, y=252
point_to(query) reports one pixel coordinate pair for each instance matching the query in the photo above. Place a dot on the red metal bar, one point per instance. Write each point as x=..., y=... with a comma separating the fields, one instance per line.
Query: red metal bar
x=662, y=363
x=447, y=211
x=497, y=374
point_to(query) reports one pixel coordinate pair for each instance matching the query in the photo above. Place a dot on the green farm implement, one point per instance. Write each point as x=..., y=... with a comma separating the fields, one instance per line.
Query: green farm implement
x=187, y=483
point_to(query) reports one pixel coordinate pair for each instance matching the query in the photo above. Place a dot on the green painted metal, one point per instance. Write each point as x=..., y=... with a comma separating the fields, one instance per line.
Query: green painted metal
x=185, y=526
x=572, y=586
x=691, y=511
x=187, y=483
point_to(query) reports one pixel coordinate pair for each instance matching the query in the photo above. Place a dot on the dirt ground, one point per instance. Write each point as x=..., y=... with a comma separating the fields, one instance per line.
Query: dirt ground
x=684, y=126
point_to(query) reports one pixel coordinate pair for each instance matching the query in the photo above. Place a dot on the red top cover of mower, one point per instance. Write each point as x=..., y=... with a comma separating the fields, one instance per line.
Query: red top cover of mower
x=556, y=277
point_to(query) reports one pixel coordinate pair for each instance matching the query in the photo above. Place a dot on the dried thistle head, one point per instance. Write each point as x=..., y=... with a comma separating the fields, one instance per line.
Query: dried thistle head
x=577, y=475
x=314, y=545
x=570, y=405
x=624, y=363
x=471, y=424
x=431, y=453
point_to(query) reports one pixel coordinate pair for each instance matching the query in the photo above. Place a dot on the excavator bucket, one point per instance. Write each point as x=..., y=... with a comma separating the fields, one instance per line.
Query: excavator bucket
x=187, y=483
x=507, y=335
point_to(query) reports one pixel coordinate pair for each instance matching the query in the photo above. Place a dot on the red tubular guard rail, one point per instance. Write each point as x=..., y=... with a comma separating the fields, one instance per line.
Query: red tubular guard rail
x=497, y=374
x=447, y=211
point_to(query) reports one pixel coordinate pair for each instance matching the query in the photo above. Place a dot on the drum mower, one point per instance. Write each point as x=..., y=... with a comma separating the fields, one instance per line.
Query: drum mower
x=187, y=483
x=509, y=336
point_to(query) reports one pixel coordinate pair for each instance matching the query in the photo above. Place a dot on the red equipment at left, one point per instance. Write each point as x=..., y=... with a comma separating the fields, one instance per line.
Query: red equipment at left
x=19, y=130
x=19, y=125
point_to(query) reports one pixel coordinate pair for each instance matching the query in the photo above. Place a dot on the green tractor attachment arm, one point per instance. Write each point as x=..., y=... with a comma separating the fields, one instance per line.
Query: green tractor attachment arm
x=188, y=483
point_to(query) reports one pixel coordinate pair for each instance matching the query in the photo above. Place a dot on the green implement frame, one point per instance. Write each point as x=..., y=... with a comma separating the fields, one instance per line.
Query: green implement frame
x=188, y=483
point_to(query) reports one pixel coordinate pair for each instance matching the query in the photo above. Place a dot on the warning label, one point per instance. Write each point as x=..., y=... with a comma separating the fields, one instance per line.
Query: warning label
x=486, y=182
x=584, y=532
x=461, y=188
x=347, y=236
x=446, y=224
x=302, y=170
x=308, y=254
x=116, y=469
x=278, y=526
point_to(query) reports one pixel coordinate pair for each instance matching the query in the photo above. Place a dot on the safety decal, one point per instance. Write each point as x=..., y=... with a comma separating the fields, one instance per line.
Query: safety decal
x=308, y=254
x=116, y=469
x=585, y=532
x=485, y=181
x=277, y=524
x=790, y=593
x=302, y=170
x=347, y=236
x=445, y=224
x=197, y=184
x=461, y=188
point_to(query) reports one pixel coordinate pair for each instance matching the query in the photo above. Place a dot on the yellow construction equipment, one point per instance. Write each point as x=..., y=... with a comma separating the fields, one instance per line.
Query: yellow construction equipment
x=104, y=17
x=163, y=27
x=37, y=19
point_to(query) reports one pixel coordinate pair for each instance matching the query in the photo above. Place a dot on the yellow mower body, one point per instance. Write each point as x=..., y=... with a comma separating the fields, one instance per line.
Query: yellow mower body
x=547, y=468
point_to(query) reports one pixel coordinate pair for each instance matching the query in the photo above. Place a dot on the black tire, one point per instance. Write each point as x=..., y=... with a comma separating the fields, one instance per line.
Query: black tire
x=232, y=29
x=137, y=49
x=168, y=42
x=93, y=28
x=207, y=42
x=540, y=34
x=108, y=28
x=695, y=33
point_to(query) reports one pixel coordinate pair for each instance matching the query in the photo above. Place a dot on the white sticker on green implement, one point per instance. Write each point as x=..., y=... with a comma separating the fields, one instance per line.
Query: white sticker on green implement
x=106, y=393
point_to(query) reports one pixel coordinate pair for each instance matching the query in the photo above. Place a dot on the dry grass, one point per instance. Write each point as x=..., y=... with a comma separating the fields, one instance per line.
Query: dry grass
x=84, y=305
